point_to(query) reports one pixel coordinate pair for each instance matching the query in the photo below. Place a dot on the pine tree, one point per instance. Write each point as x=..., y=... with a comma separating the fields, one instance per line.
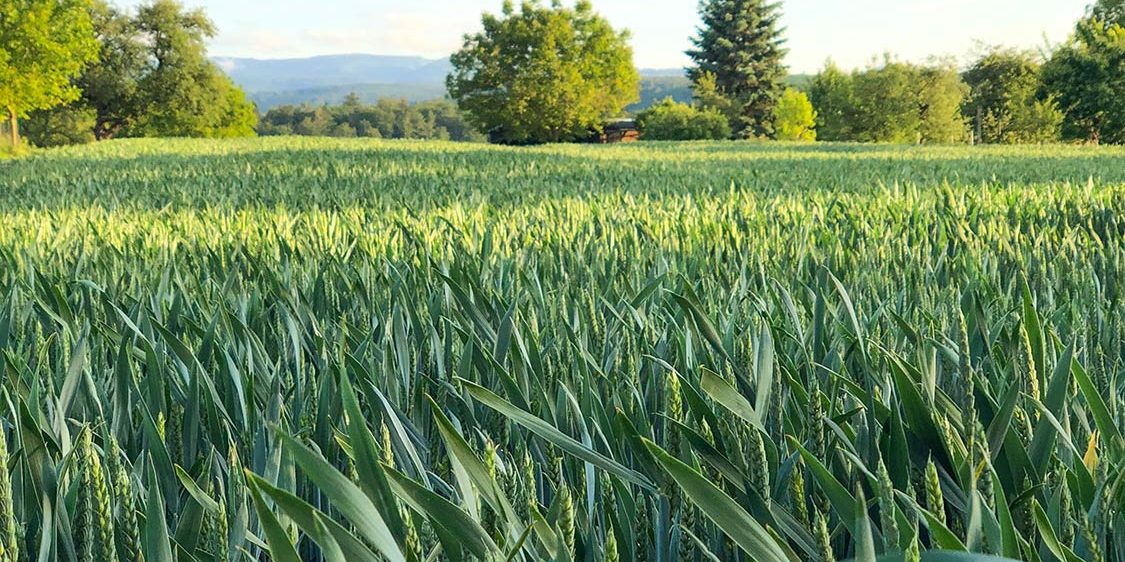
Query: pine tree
x=740, y=43
x=1109, y=11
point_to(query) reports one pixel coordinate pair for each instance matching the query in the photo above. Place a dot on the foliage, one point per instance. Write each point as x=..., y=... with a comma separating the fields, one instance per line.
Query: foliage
x=43, y=45
x=706, y=93
x=941, y=94
x=152, y=78
x=182, y=93
x=831, y=94
x=543, y=74
x=1109, y=11
x=670, y=120
x=893, y=102
x=795, y=117
x=888, y=104
x=363, y=350
x=61, y=126
x=387, y=118
x=1003, y=102
x=740, y=45
x=112, y=86
x=1087, y=77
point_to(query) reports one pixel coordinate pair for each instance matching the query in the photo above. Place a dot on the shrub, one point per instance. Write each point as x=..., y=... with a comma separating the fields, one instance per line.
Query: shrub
x=60, y=126
x=673, y=121
x=794, y=117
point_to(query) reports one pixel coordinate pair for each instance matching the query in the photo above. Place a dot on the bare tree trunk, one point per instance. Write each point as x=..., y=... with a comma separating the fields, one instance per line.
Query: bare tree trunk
x=13, y=128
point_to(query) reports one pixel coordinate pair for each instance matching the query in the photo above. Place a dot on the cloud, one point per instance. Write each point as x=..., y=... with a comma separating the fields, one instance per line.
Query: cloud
x=414, y=33
x=256, y=42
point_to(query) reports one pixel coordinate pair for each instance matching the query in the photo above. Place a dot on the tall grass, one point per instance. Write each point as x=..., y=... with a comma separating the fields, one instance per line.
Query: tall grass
x=294, y=349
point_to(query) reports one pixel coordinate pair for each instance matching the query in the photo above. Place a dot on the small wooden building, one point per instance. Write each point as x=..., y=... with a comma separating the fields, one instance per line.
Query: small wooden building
x=619, y=130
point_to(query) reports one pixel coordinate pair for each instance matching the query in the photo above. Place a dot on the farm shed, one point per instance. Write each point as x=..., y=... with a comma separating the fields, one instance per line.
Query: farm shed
x=620, y=130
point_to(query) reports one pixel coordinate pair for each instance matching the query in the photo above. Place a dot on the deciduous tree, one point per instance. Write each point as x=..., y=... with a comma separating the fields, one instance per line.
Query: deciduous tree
x=112, y=86
x=44, y=44
x=543, y=74
x=1003, y=103
x=891, y=102
x=831, y=96
x=182, y=93
x=941, y=93
x=1087, y=76
x=795, y=117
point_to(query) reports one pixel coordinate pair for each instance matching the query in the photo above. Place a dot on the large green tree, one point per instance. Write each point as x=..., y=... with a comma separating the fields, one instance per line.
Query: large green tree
x=44, y=44
x=543, y=74
x=887, y=105
x=1087, y=77
x=740, y=44
x=891, y=102
x=111, y=88
x=941, y=93
x=152, y=78
x=182, y=93
x=1003, y=102
x=831, y=94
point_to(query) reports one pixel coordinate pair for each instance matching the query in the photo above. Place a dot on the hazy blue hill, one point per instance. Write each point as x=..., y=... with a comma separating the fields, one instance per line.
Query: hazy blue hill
x=279, y=75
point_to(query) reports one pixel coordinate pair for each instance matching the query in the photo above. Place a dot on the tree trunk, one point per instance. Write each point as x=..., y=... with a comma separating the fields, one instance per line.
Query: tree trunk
x=13, y=128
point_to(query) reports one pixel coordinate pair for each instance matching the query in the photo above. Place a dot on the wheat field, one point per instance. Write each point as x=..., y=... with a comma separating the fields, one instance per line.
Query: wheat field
x=308, y=349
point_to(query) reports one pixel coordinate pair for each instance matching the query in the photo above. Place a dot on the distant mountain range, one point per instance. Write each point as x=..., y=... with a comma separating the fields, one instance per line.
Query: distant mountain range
x=329, y=79
x=279, y=75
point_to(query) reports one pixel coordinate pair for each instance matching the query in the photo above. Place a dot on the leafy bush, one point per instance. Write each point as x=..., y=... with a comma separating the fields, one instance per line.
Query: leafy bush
x=794, y=117
x=670, y=120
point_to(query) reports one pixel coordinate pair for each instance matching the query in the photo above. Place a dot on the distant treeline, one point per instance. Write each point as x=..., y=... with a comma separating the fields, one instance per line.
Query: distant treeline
x=1004, y=97
x=386, y=119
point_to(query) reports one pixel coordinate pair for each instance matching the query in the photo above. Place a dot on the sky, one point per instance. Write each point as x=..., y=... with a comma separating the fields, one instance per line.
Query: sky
x=850, y=32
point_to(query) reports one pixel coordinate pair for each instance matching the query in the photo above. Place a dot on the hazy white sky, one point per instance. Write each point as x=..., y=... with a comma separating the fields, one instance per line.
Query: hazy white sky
x=849, y=31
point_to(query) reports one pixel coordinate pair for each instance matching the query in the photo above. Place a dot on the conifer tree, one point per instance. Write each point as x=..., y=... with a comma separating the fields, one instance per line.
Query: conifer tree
x=740, y=43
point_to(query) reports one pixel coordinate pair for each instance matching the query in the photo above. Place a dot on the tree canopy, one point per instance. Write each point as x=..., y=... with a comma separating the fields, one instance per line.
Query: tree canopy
x=152, y=78
x=740, y=47
x=43, y=45
x=111, y=88
x=1004, y=104
x=1109, y=11
x=181, y=92
x=795, y=117
x=1087, y=77
x=892, y=102
x=543, y=74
